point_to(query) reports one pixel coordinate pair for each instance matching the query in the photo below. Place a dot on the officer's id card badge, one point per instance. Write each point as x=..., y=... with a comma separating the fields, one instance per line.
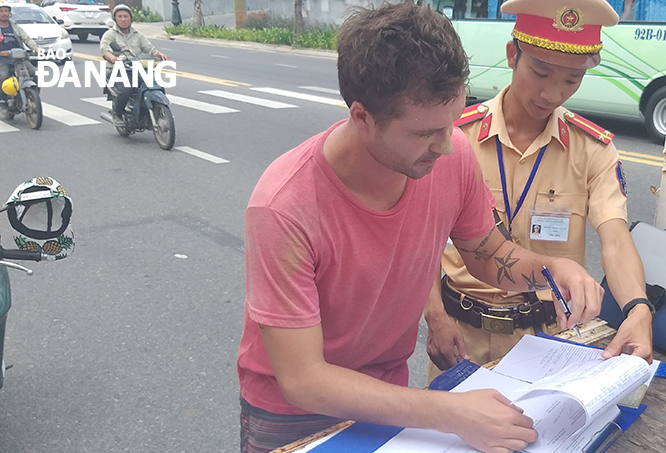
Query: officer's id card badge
x=549, y=223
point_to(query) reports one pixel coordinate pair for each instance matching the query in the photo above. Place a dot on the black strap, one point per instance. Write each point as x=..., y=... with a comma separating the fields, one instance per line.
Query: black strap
x=469, y=310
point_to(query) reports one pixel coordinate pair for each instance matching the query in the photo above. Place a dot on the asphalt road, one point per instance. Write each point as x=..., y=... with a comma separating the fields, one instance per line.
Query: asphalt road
x=130, y=344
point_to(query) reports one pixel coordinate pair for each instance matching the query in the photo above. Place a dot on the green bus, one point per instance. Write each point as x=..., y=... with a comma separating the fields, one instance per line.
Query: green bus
x=630, y=81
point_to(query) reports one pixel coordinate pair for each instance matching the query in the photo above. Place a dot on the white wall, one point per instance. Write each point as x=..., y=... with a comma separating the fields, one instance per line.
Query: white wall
x=316, y=11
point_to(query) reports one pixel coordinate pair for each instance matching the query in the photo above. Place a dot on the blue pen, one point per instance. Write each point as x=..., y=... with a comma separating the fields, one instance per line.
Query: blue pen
x=553, y=287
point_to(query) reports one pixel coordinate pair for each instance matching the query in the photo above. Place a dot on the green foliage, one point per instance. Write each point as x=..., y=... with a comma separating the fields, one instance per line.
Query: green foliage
x=145, y=15
x=263, y=29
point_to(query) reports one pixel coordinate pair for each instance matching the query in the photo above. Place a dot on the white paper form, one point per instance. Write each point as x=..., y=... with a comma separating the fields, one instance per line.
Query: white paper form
x=598, y=384
x=565, y=402
x=534, y=358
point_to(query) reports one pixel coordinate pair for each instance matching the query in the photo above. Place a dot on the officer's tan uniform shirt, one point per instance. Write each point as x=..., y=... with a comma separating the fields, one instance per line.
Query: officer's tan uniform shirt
x=583, y=176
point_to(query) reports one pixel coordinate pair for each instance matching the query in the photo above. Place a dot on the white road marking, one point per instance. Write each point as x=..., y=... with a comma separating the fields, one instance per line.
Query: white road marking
x=185, y=102
x=219, y=56
x=198, y=105
x=286, y=65
x=296, y=95
x=249, y=99
x=65, y=116
x=4, y=127
x=101, y=101
x=322, y=90
x=202, y=155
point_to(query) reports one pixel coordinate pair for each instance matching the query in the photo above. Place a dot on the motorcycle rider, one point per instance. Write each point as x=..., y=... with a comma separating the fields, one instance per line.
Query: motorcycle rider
x=129, y=39
x=11, y=37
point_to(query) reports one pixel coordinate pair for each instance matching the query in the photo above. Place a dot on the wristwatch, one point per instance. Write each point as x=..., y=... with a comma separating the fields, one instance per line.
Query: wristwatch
x=632, y=303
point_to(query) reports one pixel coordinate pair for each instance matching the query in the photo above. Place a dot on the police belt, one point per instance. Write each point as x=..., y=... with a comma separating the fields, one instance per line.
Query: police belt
x=493, y=318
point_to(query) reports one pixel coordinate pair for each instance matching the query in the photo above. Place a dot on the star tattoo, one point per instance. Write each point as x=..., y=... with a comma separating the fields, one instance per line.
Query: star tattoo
x=532, y=284
x=504, y=267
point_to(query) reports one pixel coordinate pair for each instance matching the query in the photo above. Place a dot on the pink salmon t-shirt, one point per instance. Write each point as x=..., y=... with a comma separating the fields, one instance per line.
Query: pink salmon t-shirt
x=315, y=254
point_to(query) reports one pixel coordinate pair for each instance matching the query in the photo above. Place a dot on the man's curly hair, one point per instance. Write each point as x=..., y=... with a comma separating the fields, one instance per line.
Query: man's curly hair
x=398, y=51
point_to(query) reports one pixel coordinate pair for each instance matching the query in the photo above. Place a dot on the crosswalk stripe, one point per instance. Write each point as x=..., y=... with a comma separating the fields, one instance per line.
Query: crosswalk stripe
x=202, y=155
x=4, y=127
x=198, y=105
x=249, y=99
x=65, y=116
x=101, y=101
x=296, y=95
x=322, y=90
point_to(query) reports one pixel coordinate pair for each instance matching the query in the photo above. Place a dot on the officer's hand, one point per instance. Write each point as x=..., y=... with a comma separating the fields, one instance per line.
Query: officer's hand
x=445, y=341
x=635, y=333
x=577, y=286
x=488, y=421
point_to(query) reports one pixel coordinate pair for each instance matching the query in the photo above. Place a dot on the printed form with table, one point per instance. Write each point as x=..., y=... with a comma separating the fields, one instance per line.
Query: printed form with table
x=578, y=401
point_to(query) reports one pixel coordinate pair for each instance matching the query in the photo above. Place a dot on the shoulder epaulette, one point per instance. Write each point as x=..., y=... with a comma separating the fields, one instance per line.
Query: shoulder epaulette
x=595, y=131
x=471, y=114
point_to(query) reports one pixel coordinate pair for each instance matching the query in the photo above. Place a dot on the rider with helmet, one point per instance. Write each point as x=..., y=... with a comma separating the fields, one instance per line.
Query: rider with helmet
x=129, y=39
x=11, y=37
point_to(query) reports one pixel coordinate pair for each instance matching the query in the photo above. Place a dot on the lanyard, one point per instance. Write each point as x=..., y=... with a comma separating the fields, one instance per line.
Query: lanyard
x=526, y=189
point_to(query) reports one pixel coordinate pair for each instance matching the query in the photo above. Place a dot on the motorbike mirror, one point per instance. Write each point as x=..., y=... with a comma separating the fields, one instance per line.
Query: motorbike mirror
x=115, y=47
x=40, y=211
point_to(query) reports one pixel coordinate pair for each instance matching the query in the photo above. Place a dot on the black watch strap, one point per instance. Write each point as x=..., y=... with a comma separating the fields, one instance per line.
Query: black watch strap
x=632, y=303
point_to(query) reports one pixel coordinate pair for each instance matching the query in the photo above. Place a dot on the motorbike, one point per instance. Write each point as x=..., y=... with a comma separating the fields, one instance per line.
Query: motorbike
x=39, y=211
x=147, y=108
x=21, y=89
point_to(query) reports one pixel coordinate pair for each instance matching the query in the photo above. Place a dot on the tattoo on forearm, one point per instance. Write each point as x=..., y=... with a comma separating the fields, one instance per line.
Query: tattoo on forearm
x=479, y=253
x=504, y=267
x=532, y=283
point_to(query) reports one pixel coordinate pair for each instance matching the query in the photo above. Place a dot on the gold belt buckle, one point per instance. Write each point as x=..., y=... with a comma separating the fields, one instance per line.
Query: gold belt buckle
x=496, y=324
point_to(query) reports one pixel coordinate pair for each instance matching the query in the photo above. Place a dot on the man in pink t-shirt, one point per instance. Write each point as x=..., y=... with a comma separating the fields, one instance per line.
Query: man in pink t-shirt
x=343, y=239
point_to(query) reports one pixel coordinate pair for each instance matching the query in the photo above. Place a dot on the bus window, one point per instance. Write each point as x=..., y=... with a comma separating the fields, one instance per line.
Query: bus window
x=630, y=81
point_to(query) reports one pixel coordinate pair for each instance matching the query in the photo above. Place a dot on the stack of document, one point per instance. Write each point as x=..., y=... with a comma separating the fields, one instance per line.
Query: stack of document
x=569, y=392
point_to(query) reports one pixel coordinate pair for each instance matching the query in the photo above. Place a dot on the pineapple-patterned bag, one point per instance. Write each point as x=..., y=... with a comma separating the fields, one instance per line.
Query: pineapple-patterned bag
x=40, y=211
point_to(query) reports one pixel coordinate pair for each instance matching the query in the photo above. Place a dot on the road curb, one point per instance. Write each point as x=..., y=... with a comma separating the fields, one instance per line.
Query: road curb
x=156, y=31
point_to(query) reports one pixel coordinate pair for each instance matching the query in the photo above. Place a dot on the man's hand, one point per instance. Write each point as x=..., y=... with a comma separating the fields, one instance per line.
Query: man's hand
x=635, y=333
x=444, y=337
x=489, y=422
x=160, y=55
x=110, y=57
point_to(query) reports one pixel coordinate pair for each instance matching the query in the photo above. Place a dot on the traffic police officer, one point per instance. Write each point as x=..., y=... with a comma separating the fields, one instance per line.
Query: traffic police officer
x=549, y=167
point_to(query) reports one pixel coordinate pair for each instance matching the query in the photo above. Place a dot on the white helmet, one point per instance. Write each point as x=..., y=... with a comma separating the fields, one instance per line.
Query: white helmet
x=122, y=7
x=40, y=211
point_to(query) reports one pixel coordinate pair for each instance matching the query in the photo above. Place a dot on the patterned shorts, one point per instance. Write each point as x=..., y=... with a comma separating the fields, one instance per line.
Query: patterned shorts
x=262, y=431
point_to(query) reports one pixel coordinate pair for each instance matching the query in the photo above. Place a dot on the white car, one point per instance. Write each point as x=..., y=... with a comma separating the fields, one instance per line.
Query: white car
x=46, y=33
x=80, y=17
